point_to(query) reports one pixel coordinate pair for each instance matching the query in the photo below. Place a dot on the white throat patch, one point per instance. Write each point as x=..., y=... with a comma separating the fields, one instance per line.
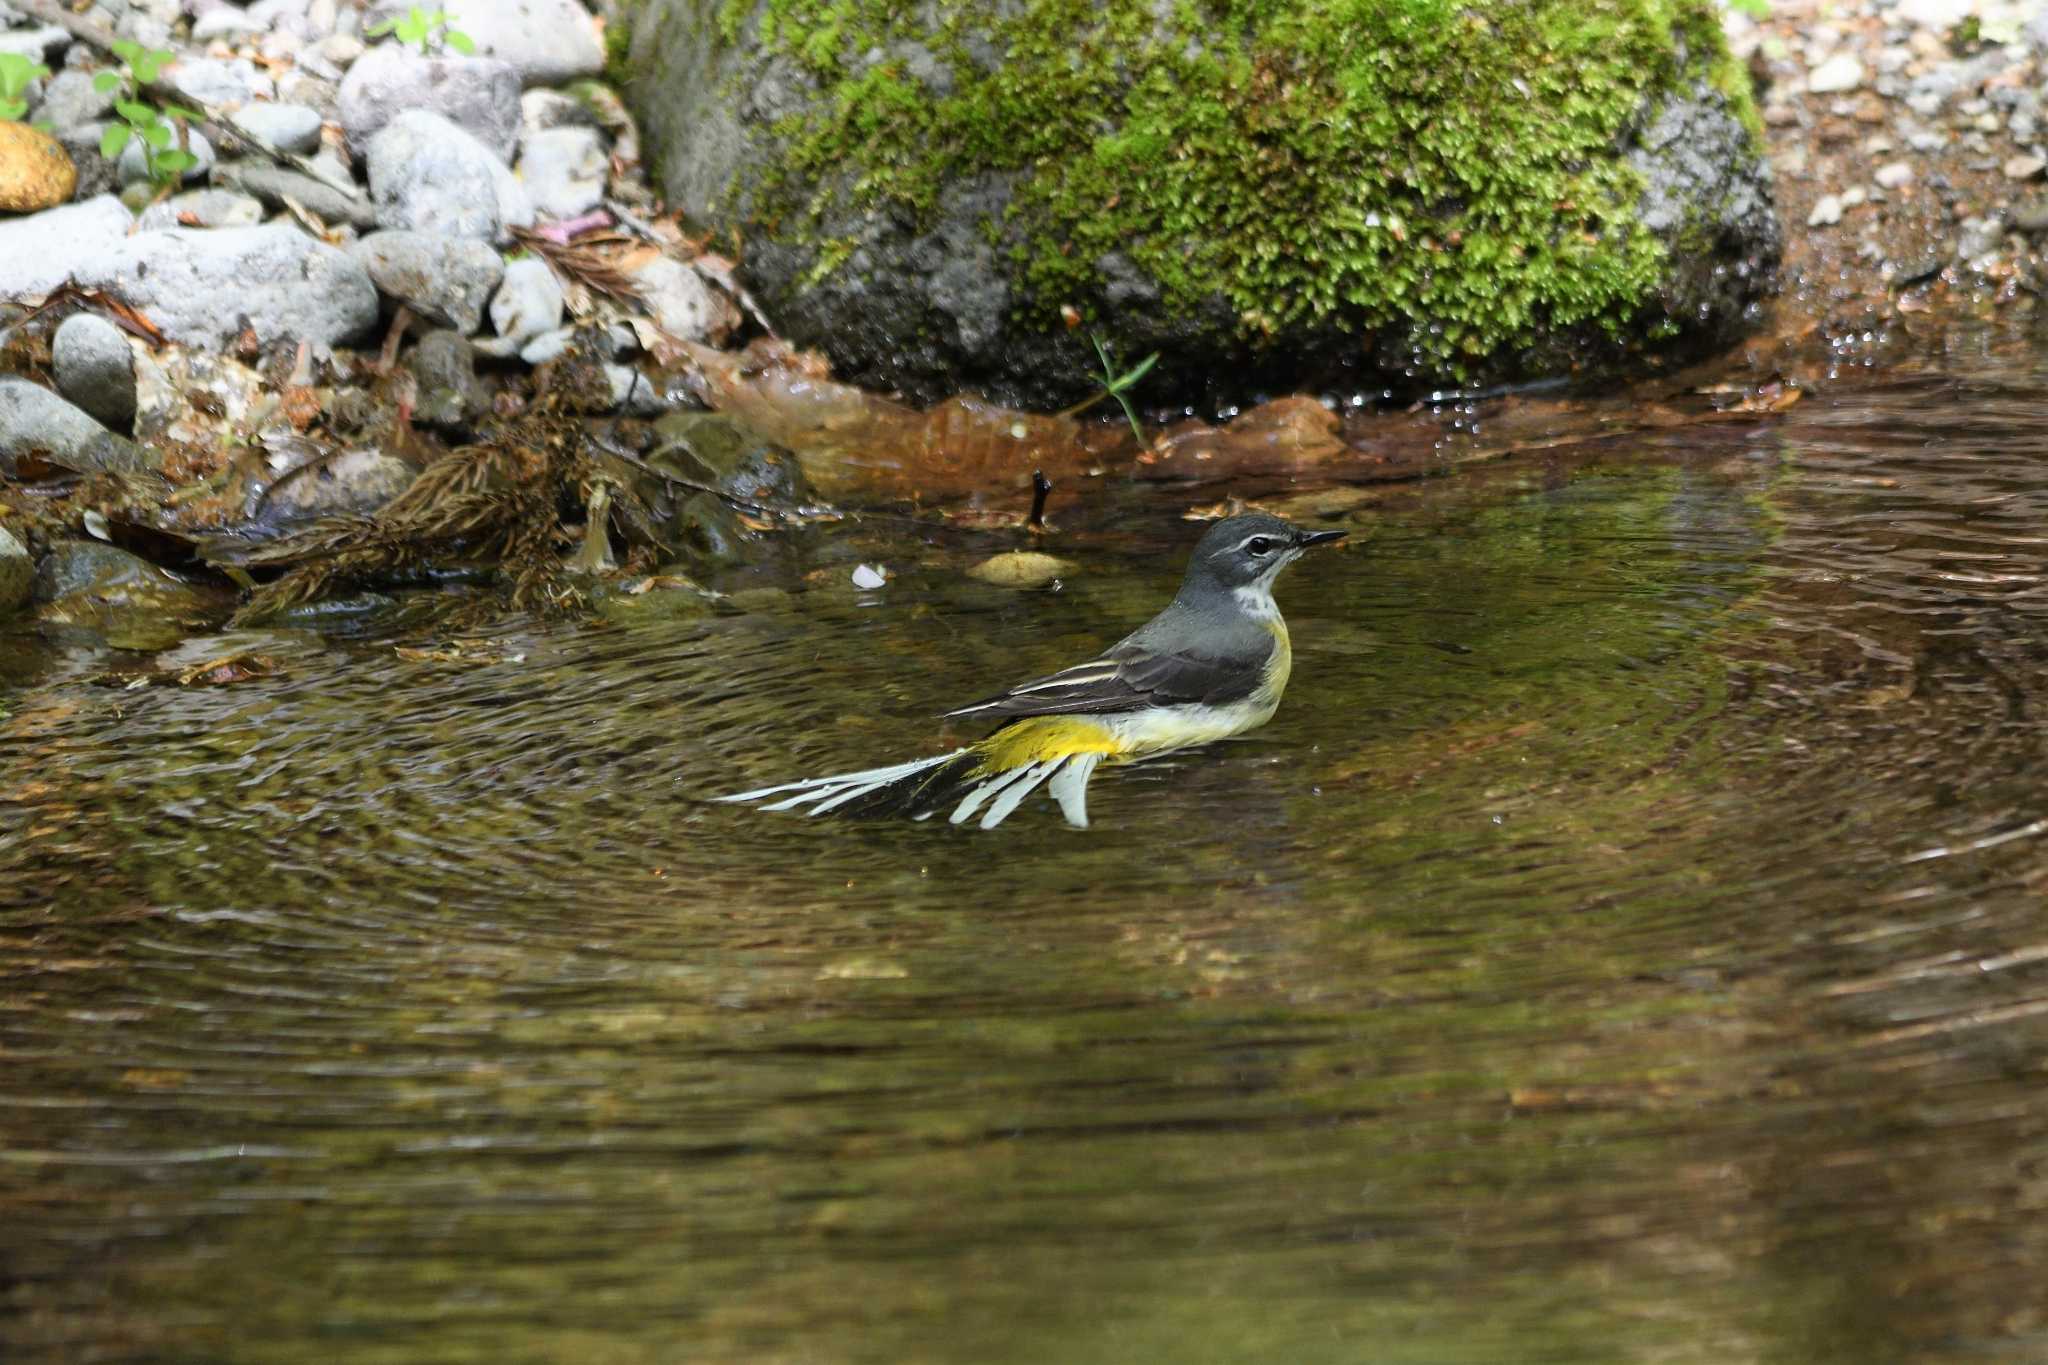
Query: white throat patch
x=1257, y=601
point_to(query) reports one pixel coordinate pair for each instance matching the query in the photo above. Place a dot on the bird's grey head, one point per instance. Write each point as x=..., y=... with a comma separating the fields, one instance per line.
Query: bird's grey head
x=1249, y=551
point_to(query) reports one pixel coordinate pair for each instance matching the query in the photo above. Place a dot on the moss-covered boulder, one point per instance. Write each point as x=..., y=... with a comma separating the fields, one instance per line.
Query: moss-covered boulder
x=1268, y=192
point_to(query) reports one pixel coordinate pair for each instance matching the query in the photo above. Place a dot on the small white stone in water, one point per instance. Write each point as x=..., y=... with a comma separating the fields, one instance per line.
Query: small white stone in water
x=1893, y=174
x=866, y=576
x=96, y=525
x=1827, y=212
x=1838, y=73
x=1854, y=196
x=2024, y=167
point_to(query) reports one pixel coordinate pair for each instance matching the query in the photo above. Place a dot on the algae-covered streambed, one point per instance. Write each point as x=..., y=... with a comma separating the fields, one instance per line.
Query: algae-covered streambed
x=1628, y=943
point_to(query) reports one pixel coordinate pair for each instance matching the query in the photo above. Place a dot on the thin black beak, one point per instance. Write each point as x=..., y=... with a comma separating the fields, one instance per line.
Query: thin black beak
x=1304, y=539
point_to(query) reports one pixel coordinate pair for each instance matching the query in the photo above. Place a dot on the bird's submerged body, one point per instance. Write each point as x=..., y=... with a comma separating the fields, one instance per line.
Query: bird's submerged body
x=1213, y=664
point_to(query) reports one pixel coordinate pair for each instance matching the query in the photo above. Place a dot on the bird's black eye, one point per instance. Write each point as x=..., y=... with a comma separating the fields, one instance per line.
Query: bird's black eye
x=1258, y=545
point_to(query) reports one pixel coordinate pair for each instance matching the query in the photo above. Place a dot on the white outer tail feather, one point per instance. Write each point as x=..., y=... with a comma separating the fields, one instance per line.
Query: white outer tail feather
x=1002, y=792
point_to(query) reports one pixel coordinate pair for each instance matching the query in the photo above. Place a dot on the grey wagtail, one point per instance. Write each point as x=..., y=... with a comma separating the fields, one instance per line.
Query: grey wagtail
x=1212, y=665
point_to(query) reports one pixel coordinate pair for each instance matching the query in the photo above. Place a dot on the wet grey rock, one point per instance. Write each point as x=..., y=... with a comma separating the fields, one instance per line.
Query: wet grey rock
x=635, y=393
x=69, y=100
x=550, y=42
x=126, y=601
x=285, y=127
x=431, y=176
x=211, y=80
x=351, y=483
x=564, y=170
x=275, y=184
x=39, y=251
x=204, y=208
x=446, y=279
x=479, y=94
x=34, y=420
x=95, y=369
x=203, y=285
x=133, y=168
x=449, y=396
x=935, y=301
x=528, y=303
x=676, y=298
x=2031, y=215
x=17, y=572
x=710, y=447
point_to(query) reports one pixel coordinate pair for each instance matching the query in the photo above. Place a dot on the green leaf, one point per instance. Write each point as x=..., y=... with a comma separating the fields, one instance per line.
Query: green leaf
x=106, y=81
x=127, y=51
x=114, y=139
x=180, y=111
x=460, y=41
x=379, y=30
x=1138, y=372
x=175, y=160
x=157, y=135
x=136, y=112
x=11, y=110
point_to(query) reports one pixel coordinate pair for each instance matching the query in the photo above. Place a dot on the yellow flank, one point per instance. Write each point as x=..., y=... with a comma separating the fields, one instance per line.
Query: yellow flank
x=1044, y=737
x=1278, y=668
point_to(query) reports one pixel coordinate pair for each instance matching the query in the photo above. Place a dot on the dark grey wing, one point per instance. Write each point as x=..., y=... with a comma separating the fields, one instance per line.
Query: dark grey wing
x=1127, y=679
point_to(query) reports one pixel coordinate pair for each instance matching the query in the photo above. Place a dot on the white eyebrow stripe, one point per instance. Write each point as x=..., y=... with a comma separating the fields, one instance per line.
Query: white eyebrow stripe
x=1256, y=535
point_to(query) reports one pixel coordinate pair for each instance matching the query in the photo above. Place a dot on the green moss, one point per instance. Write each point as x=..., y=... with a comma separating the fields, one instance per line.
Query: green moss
x=618, y=46
x=1360, y=163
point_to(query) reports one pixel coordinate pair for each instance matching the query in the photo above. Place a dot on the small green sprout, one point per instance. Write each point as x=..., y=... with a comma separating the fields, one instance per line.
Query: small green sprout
x=422, y=30
x=1115, y=384
x=17, y=74
x=160, y=131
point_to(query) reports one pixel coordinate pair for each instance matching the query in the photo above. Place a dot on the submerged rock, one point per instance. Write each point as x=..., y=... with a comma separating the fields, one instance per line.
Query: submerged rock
x=17, y=572
x=1327, y=193
x=713, y=460
x=127, y=601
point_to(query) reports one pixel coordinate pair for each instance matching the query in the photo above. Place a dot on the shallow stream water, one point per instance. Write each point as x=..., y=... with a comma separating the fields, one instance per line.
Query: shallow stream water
x=1628, y=943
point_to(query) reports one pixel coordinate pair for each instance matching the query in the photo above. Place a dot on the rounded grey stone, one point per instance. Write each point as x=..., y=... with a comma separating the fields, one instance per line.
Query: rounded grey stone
x=549, y=42
x=564, y=170
x=203, y=285
x=35, y=420
x=431, y=176
x=70, y=100
x=133, y=169
x=528, y=303
x=40, y=251
x=95, y=369
x=477, y=94
x=203, y=208
x=285, y=127
x=447, y=279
